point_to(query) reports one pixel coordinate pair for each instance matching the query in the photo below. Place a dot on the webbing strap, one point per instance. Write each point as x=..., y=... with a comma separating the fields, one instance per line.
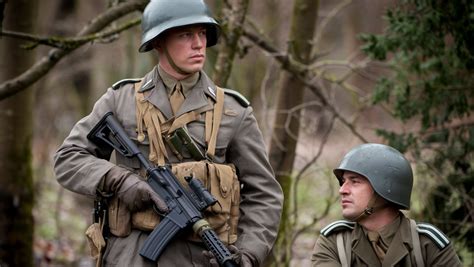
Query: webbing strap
x=183, y=120
x=416, y=244
x=341, y=250
x=218, y=110
x=140, y=111
x=152, y=119
x=156, y=139
x=208, y=124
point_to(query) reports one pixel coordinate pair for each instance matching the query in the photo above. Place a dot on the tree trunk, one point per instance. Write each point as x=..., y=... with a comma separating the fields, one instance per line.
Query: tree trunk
x=229, y=42
x=16, y=179
x=286, y=127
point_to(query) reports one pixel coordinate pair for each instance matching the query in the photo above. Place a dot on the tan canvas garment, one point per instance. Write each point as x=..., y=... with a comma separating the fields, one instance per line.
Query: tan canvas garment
x=220, y=179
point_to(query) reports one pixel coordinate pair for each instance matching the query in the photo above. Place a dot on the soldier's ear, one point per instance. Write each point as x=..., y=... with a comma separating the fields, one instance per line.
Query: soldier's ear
x=157, y=44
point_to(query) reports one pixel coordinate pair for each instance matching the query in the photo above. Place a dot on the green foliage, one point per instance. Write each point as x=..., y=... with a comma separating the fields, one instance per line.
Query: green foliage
x=430, y=48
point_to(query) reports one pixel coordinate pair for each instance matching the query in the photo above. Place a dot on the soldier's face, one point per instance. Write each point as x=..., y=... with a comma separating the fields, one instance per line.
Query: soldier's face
x=186, y=46
x=356, y=193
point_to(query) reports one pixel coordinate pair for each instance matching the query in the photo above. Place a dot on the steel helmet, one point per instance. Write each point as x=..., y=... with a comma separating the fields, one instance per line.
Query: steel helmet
x=387, y=170
x=162, y=15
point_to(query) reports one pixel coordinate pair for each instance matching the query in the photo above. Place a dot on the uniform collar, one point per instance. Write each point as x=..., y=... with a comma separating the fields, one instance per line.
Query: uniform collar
x=399, y=246
x=150, y=80
x=208, y=87
x=362, y=248
x=197, y=97
x=401, y=243
x=170, y=82
x=388, y=232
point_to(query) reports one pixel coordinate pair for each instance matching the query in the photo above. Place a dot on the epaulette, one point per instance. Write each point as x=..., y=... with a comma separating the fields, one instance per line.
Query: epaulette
x=337, y=226
x=238, y=96
x=117, y=85
x=438, y=237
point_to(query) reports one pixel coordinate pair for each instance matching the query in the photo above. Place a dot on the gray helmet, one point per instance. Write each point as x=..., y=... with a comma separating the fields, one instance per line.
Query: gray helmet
x=387, y=170
x=162, y=15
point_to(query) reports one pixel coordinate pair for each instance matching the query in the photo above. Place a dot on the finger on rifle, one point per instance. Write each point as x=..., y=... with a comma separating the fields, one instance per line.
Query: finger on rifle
x=207, y=254
x=159, y=203
x=233, y=249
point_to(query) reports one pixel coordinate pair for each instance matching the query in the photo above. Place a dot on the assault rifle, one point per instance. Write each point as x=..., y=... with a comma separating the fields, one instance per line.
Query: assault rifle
x=184, y=206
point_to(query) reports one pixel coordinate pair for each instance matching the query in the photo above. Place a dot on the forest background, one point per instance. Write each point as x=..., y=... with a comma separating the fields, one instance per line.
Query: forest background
x=322, y=76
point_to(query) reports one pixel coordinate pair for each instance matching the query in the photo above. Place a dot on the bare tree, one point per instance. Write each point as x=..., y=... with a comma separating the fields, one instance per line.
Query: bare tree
x=287, y=124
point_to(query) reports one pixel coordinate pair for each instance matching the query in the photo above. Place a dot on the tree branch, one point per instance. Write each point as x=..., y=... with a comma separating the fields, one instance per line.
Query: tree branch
x=300, y=70
x=46, y=63
x=298, y=177
x=329, y=17
x=71, y=42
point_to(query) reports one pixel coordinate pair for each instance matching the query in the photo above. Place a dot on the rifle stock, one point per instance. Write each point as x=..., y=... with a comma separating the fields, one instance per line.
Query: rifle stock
x=184, y=207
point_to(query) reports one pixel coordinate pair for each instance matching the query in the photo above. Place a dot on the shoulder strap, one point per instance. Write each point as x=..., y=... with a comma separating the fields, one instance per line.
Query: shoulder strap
x=416, y=244
x=341, y=251
x=337, y=225
x=238, y=96
x=118, y=84
x=218, y=110
x=438, y=237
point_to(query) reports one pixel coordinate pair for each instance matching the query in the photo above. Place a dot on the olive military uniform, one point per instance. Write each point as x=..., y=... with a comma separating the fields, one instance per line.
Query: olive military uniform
x=239, y=142
x=436, y=249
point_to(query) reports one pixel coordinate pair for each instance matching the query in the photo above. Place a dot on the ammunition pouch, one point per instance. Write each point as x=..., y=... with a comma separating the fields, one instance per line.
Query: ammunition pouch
x=119, y=218
x=98, y=231
x=96, y=242
x=221, y=181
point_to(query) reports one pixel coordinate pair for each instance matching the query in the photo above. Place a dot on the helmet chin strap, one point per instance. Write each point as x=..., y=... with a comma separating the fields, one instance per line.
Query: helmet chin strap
x=173, y=64
x=371, y=208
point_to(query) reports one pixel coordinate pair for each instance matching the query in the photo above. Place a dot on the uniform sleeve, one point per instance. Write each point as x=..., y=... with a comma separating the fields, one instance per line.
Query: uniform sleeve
x=435, y=256
x=79, y=165
x=325, y=252
x=261, y=195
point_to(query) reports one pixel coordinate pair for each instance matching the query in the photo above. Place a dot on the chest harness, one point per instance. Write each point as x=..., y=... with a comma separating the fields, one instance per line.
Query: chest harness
x=152, y=120
x=220, y=179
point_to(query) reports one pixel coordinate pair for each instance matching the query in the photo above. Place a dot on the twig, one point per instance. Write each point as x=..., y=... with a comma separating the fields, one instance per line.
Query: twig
x=300, y=71
x=331, y=15
x=309, y=163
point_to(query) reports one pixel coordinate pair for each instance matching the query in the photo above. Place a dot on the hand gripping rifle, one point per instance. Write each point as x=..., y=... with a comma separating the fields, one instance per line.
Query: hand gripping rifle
x=184, y=206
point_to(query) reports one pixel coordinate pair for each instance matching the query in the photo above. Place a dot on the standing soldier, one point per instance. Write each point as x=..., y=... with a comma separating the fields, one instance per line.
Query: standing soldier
x=180, y=118
x=376, y=183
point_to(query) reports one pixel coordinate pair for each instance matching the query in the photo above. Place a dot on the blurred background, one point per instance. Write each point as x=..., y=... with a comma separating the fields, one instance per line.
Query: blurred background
x=322, y=77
